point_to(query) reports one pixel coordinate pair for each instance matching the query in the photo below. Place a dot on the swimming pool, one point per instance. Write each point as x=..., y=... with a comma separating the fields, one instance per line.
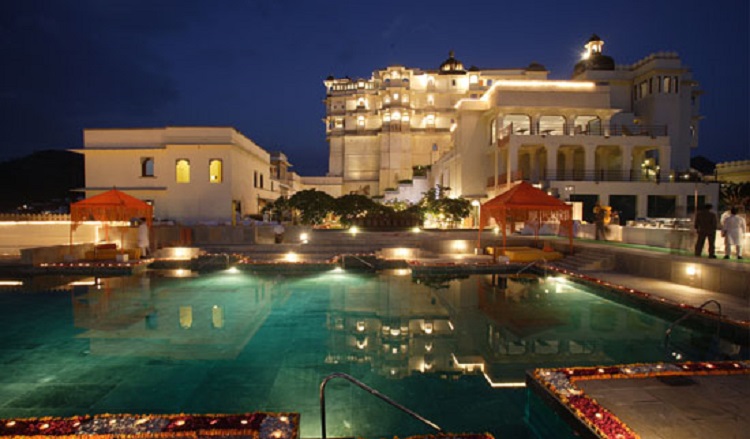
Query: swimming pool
x=452, y=349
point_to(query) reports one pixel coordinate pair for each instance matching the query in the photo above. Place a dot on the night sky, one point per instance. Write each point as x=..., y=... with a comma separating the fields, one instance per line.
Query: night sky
x=259, y=65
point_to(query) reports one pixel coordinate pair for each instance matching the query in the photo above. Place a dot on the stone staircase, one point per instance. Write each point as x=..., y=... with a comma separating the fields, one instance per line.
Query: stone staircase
x=321, y=246
x=587, y=259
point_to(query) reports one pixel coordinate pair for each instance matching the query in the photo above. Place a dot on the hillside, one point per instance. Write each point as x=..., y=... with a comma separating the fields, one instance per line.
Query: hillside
x=42, y=181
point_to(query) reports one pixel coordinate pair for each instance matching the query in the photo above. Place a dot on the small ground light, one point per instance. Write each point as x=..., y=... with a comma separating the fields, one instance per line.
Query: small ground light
x=291, y=257
x=353, y=230
x=416, y=230
x=304, y=237
x=691, y=270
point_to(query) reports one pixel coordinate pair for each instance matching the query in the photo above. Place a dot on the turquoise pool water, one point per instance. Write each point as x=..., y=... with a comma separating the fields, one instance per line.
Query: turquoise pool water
x=453, y=350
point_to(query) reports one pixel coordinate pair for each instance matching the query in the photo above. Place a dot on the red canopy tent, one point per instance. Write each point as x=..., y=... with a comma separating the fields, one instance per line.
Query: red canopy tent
x=523, y=202
x=112, y=205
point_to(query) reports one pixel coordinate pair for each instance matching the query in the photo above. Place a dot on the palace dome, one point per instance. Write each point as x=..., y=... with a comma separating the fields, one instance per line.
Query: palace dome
x=452, y=65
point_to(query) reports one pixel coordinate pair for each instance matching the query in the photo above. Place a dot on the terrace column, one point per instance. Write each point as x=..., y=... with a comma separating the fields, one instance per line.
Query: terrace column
x=665, y=156
x=605, y=125
x=569, y=163
x=589, y=165
x=512, y=160
x=552, y=150
x=534, y=128
x=627, y=161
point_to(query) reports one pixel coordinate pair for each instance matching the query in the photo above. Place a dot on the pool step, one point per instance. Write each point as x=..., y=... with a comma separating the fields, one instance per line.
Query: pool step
x=588, y=259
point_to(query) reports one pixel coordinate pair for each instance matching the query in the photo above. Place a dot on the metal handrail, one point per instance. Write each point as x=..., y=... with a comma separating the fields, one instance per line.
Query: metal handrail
x=343, y=261
x=668, y=332
x=532, y=263
x=372, y=392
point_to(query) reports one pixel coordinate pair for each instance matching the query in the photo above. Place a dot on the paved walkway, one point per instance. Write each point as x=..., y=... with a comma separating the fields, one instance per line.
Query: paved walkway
x=736, y=308
x=695, y=407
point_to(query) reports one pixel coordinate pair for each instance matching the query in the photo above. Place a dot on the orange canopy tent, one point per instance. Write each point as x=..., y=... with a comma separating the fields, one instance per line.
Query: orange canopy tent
x=524, y=202
x=112, y=205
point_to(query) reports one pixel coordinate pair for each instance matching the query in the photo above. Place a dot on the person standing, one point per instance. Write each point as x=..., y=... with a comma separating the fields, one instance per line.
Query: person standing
x=143, y=239
x=599, y=217
x=706, y=225
x=734, y=233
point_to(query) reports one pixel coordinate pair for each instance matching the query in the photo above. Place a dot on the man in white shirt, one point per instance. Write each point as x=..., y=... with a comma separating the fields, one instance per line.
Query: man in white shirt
x=734, y=232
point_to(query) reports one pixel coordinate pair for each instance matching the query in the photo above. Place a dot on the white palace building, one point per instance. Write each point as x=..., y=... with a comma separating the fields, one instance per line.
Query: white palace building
x=619, y=134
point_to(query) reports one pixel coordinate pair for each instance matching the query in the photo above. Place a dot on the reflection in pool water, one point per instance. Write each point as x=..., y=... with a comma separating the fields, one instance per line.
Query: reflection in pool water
x=453, y=349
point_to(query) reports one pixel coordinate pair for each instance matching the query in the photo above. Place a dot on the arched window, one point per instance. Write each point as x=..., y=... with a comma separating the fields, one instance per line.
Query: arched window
x=147, y=167
x=182, y=169
x=361, y=121
x=430, y=119
x=214, y=171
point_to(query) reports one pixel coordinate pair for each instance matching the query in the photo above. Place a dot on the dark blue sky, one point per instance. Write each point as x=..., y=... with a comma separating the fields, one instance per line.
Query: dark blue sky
x=259, y=65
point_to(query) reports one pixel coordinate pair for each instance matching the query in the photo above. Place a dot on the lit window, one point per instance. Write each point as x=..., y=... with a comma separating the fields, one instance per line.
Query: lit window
x=182, y=169
x=493, y=131
x=430, y=100
x=396, y=115
x=394, y=75
x=387, y=100
x=147, y=167
x=361, y=84
x=361, y=102
x=214, y=171
x=395, y=96
x=387, y=117
x=406, y=98
x=361, y=121
x=430, y=119
x=339, y=123
x=473, y=79
x=405, y=117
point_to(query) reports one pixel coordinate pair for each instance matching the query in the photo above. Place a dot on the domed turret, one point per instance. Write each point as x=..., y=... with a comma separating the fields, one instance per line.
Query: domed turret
x=536, y=67
x=593, y=58
x=452, y=65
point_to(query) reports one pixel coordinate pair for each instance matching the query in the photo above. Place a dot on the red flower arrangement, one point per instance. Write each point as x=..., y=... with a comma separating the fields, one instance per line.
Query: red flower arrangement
x=255, y=425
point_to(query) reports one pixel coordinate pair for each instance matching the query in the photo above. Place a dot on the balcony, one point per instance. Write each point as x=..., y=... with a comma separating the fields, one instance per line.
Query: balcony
x=601, y=175
x=583, y=130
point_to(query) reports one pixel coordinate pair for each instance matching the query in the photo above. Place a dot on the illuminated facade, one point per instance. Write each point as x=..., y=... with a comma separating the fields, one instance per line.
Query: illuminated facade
x=380, y=129
x=604, y=134
x=190, y=174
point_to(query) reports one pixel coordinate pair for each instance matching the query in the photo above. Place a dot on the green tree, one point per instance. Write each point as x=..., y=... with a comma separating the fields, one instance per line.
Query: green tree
x=350, y=207
x=736, y=195
x=279, y=210
x=444, y=210
x=313, y=206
